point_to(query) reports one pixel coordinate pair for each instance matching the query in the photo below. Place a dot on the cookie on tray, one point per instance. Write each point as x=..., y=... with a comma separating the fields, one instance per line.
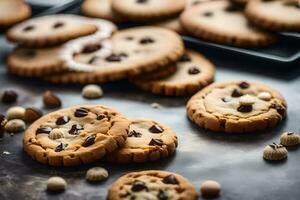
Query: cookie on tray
x=275, y=15
x=75, y=135
x=223, y=22
x=193, y=73
x=147, y=10
x=50, y=30
x=147, y=141
x=152, y=184
x=12, y=12
x=237, y=107
x=127, y=53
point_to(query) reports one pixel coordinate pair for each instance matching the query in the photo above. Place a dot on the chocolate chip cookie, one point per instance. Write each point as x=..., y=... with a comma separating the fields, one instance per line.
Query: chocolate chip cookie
x=237, y=107
x=129, y=52
x=147, y=141
x=76, y=135
x=223, y=22
x=152, y=184
x=275, y=15
x=193, y=72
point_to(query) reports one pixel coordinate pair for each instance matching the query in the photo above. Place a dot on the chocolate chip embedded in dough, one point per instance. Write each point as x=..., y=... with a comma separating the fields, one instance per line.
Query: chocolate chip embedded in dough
x=45, y=130
x=58, y=25
x=28, y=28
x=61, y=147
x=244, y=85
x=75, y=129
x=91, y=48
x=171, y=179
x=162, y=195
x=245, y=108
x=185, y=58
x=208, y=14
x=156, y=129
x=116, y=57
x=81, y=112
x=146, y=40
x=62, y=120
x=134, y=134
x=156, y=142
x=141, y=1
x=138, y=186
x=232, y=8
x=194, y=71
x=90, y=140
x=236, y=93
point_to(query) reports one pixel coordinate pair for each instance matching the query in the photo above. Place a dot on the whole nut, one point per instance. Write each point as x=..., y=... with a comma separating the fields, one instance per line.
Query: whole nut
x=247, y=100
x=56, y=184
x=210, y=189
x=56, y=134
x=9, y=96
x=32, y=114
x=96, y=174
x=51, y=100
x=92, y=92
x=15, y=126
x=266, y=96
x=15, y=113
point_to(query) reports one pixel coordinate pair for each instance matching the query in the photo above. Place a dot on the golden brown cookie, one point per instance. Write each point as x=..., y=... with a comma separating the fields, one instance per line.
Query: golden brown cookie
x=193, y=72
x=236, y=107
x=152, y=184
x=147, y=141
x=75, y=135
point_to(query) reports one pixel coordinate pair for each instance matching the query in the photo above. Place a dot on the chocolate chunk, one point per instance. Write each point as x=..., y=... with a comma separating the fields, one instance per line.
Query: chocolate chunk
x=75, y=129
x=100, y=117
x=162, y=195
x=156, y=129
x=28, y=28
x=141, y=1
x=194, y=70
x=32, y=114
x=58, y=25
x=290, y=133
x=146, y=40
x=93, y=59
x=208, y=14
x=81, y=112
x=116, y=57
x=279, y=109
x=185, y=58
x=91, y=48
x=62, y=120
x=134, y=134
x=245, y=108
x=89, y=141
x=156, y=142
x=232, y=8
x=45, y=130
x=171, y=179
x=236, y=93
x=61, y=147
x=51, y=100
x=9, y=96
x=138, y=186
x=244, y=85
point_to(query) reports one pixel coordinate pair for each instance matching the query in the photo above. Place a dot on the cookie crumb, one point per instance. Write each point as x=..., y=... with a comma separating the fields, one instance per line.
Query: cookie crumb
x=96, y=174
x=210, y=188
x=15, y=112
x=156, y=105
x=289, y=139
x=15, y=126
x=56, y=184
x=92, y=92
x=51, y=100
x=275, y=152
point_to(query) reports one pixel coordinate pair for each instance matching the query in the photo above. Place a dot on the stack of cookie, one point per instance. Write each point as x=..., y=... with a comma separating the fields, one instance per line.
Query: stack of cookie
x=83, y=134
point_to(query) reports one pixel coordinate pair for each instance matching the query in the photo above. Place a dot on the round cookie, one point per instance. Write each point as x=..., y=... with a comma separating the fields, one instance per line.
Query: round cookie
x=194, y=72
x=147, y=10
x=275, y=15
x=147, y=141
x=127, y=53
x=152, y=184
x=237, y=107
x=50, y=30
x=75, y=135
x=222, y=22
x=12, y=12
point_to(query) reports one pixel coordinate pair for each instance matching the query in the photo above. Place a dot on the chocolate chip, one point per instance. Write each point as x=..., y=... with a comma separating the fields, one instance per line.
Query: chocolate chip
x=58, y=25
x=9, y=96
x=91, y=48
x=279, y=109
x=61, y=147
x=45, y=130
x=28, y=28
x=245, y=108
x=134, y=134
x=290, y=133
x=236, y=93
x=138, y=186
x=162, y=195
x=232, y=8
x=171, y=179
x=81, y=112
x=100, y=117
x=141, y=1
x=93, y=59
x=208, y=14
x=292, y=3
x=51, y=100
x=156, y=142
x=89, y=141
x=75, y=129
x=62, y=120
x=193, y=71
x=156, y=129
x=32, y=114
x=146, y=40
x=116, y=57
x=185, y=58
x=244, y=85
x=226, y=99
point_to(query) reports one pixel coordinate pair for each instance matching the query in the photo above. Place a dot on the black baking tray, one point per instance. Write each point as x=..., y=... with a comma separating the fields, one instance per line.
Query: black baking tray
x=234, y=160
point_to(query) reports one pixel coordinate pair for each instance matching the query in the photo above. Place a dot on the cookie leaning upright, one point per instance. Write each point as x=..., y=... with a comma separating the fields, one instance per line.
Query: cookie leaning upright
x=223, y=22
x=281, y=15
x=237, y=107
x=147, y=10
x=49, y=30
x=75, y=135
x=147, y=141
x=152, y=184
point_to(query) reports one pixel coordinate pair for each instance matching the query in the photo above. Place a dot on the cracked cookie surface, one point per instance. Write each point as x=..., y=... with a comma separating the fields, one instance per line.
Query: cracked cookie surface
x=75, y=135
